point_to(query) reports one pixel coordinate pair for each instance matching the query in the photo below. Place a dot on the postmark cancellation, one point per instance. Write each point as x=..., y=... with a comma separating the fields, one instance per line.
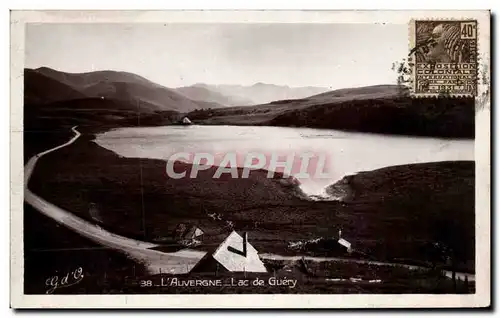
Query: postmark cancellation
x=443, y=55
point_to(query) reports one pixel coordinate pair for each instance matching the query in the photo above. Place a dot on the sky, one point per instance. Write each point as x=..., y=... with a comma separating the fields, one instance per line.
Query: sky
x=174, y=55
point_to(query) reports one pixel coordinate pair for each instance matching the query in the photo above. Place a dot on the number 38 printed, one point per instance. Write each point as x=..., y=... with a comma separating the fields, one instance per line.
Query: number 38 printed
x=468, y=30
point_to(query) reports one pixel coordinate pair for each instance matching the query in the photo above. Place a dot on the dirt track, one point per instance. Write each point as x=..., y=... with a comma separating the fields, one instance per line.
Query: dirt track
x=179, y=262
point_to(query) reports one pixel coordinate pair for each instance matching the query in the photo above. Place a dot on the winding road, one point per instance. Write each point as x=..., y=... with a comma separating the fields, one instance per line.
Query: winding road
x=179, y=262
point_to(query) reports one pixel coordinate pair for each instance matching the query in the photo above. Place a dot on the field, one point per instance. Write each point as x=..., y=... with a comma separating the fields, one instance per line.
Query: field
x=376, y=109
x=400, y=227
x=413, y=214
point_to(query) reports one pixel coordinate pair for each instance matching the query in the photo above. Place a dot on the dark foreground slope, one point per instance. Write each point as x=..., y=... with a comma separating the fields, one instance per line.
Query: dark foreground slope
x=48, y=125
x=402, y=116
x=51, y=250
x=435, y=200
x=376, y=109
x=395, y=214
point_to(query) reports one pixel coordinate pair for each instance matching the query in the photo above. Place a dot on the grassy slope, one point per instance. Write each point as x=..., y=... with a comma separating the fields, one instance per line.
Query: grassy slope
x=40, y=89
x=403, y=116
x=91, y=114
x=431, y=202
x=50, y=249
x=377, y=109
x=47, y=85
x=393, y=218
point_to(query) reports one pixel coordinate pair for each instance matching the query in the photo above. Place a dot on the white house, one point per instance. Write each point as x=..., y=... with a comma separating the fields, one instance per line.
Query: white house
x=192, y=236
x=194, y=233
x=234, y=254
x=344, y=242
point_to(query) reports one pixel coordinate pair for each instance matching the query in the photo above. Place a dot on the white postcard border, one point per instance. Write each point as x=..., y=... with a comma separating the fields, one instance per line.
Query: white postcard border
x=482, y=156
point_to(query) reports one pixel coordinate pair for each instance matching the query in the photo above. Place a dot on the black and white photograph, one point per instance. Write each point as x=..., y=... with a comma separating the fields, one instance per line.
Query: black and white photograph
x=242, y=157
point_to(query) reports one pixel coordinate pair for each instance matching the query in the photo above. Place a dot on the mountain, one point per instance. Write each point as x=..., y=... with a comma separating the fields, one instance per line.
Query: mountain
x=200, y=93
x=90, y=78
x=261, y=93
x=141, y=93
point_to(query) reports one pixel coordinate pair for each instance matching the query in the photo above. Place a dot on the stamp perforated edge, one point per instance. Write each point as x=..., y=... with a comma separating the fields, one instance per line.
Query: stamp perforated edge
x=411, y=58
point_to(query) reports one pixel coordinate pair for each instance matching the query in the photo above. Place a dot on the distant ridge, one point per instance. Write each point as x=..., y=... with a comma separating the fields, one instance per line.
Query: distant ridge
x=259, y=93
x=205, y=94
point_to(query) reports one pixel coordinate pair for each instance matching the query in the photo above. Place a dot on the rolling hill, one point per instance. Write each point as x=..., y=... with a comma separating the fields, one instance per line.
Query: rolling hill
x=384, y=109
x=371, y=92
x=47, y=85
x=41, y=89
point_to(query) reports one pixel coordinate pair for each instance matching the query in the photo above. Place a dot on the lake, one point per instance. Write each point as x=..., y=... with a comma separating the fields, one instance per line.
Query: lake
x=344, y=152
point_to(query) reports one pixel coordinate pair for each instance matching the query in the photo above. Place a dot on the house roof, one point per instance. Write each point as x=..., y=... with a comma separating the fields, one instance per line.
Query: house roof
x=237, y=262
x=193, y=232
x=344, y=243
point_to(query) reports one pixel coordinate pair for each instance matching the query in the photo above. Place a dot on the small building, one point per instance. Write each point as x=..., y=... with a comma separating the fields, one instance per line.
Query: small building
x=344, y=242
x=234, y=254
x=194, y=233
x=94, y=212
x=186, y=121
x=188, y=236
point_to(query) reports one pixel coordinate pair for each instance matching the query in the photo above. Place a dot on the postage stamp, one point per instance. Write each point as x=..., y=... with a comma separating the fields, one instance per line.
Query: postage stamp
x=444, y=56
x=271, y=158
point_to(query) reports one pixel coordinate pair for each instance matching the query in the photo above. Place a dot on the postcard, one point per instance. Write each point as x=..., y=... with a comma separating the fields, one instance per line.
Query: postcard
x=250, y=159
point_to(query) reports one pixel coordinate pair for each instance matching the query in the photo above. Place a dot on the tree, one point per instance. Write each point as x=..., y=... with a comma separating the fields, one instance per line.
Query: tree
x=448, y=235
x=483, y=99
x=179, y=231
x=404, y=71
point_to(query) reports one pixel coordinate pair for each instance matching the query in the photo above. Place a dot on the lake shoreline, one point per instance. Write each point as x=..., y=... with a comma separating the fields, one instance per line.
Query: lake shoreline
x=394, y=115
x=120, y=196
x=332, y=154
